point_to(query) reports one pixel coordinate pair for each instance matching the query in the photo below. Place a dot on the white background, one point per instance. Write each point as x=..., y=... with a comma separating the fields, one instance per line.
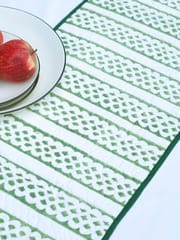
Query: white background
x=156, y=214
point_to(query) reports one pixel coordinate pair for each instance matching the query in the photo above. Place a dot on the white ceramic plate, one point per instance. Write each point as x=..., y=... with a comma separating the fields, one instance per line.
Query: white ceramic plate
x=11, y=93
x=49, y=47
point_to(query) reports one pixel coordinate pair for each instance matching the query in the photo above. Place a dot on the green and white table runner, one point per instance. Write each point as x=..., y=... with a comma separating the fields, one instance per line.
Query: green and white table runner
x=72, y=164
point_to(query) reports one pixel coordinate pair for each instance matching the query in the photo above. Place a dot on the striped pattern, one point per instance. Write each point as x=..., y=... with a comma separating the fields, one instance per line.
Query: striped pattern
x=128, y=36
x=170, y=6
x=17, y=229
x=170, y=3
x=144, y=13
x=70, y=163
x=119, y=66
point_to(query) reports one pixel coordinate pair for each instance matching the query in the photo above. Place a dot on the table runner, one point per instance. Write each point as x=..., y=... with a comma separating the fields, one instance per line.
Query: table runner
x=72, y=164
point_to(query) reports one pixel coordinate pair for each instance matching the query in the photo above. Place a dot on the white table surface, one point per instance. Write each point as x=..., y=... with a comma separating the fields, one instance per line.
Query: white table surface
x=156, y=214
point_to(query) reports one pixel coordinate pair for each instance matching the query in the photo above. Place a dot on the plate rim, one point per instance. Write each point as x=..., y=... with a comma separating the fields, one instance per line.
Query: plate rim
x=20, y=97
x=16, y=107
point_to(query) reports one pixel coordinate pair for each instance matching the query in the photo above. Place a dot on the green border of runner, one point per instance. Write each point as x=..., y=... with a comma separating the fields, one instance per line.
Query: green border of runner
x=150, y=175
x=141, y=187
x=69, y=14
